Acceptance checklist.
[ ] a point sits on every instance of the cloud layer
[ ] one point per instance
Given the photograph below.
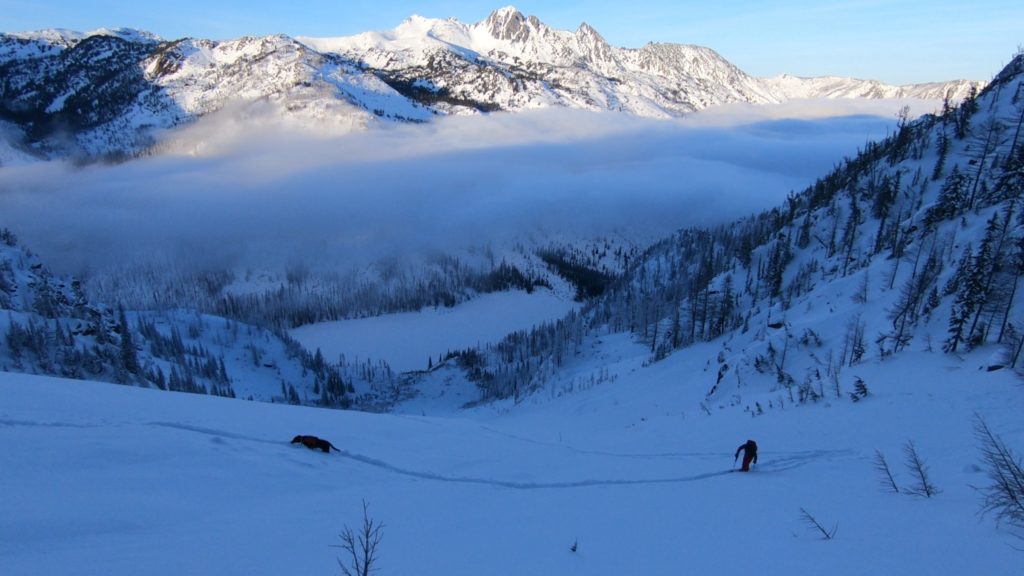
(265, 196)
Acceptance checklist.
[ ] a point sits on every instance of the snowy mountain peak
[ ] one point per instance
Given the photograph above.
(594, 49)
(508, 33)
(508, 24)
(68, 38)
(419, 25)
(129, 34)
(587, 31)
(505, 12)
(57, 36)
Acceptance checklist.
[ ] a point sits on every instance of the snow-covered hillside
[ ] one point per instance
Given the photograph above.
(119, 94)
(51, 327)
(634, 475)
(913, 244)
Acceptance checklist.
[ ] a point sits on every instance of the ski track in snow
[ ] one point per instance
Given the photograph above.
(786, 461)
(524, 485)
(29, 423)
(780, 462)
(789, 462)
(213, 432)
(783, 462)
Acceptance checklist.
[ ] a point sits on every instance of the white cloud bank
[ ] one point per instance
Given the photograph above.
(272, 196)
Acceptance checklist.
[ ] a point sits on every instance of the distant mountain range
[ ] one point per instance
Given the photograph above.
(110, 93)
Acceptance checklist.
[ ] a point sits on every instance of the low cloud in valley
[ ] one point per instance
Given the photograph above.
(258, 194)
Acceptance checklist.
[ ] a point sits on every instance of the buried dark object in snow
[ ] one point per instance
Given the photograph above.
(313, 443)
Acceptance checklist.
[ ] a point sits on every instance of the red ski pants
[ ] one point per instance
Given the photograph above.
(746, 462)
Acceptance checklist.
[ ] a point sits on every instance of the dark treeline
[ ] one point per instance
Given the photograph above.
(587, 275)
(305, 297)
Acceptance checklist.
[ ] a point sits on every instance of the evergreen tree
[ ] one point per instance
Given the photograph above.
(803, 239)
(940, 162)
(952, 198)
(129, 356)
(962, 115)
(972, 292)
(849, 235)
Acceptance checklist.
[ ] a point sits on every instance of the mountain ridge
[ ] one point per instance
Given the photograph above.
(116, 92)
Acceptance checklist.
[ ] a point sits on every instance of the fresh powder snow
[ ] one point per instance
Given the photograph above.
(635, 473)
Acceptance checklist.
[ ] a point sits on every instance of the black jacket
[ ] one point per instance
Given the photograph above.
(750, 449)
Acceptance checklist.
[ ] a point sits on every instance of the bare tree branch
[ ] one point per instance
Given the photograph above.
(361, 546)
(882, 466)
(1004, 495)
(813, 523)
(919, 470)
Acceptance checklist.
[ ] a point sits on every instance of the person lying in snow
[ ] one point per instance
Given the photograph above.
(314, 443)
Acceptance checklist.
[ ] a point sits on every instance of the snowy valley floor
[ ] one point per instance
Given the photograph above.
(101, 479)
(407, 340)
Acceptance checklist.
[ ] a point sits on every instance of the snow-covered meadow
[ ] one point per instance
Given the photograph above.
(412, 340)
(102, 479)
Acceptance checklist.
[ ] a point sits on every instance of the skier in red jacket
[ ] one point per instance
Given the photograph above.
(749, 450)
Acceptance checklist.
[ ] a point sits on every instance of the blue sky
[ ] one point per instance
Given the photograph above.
(897, 41)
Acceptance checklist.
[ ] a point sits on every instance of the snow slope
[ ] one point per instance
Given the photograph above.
(115, 480)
